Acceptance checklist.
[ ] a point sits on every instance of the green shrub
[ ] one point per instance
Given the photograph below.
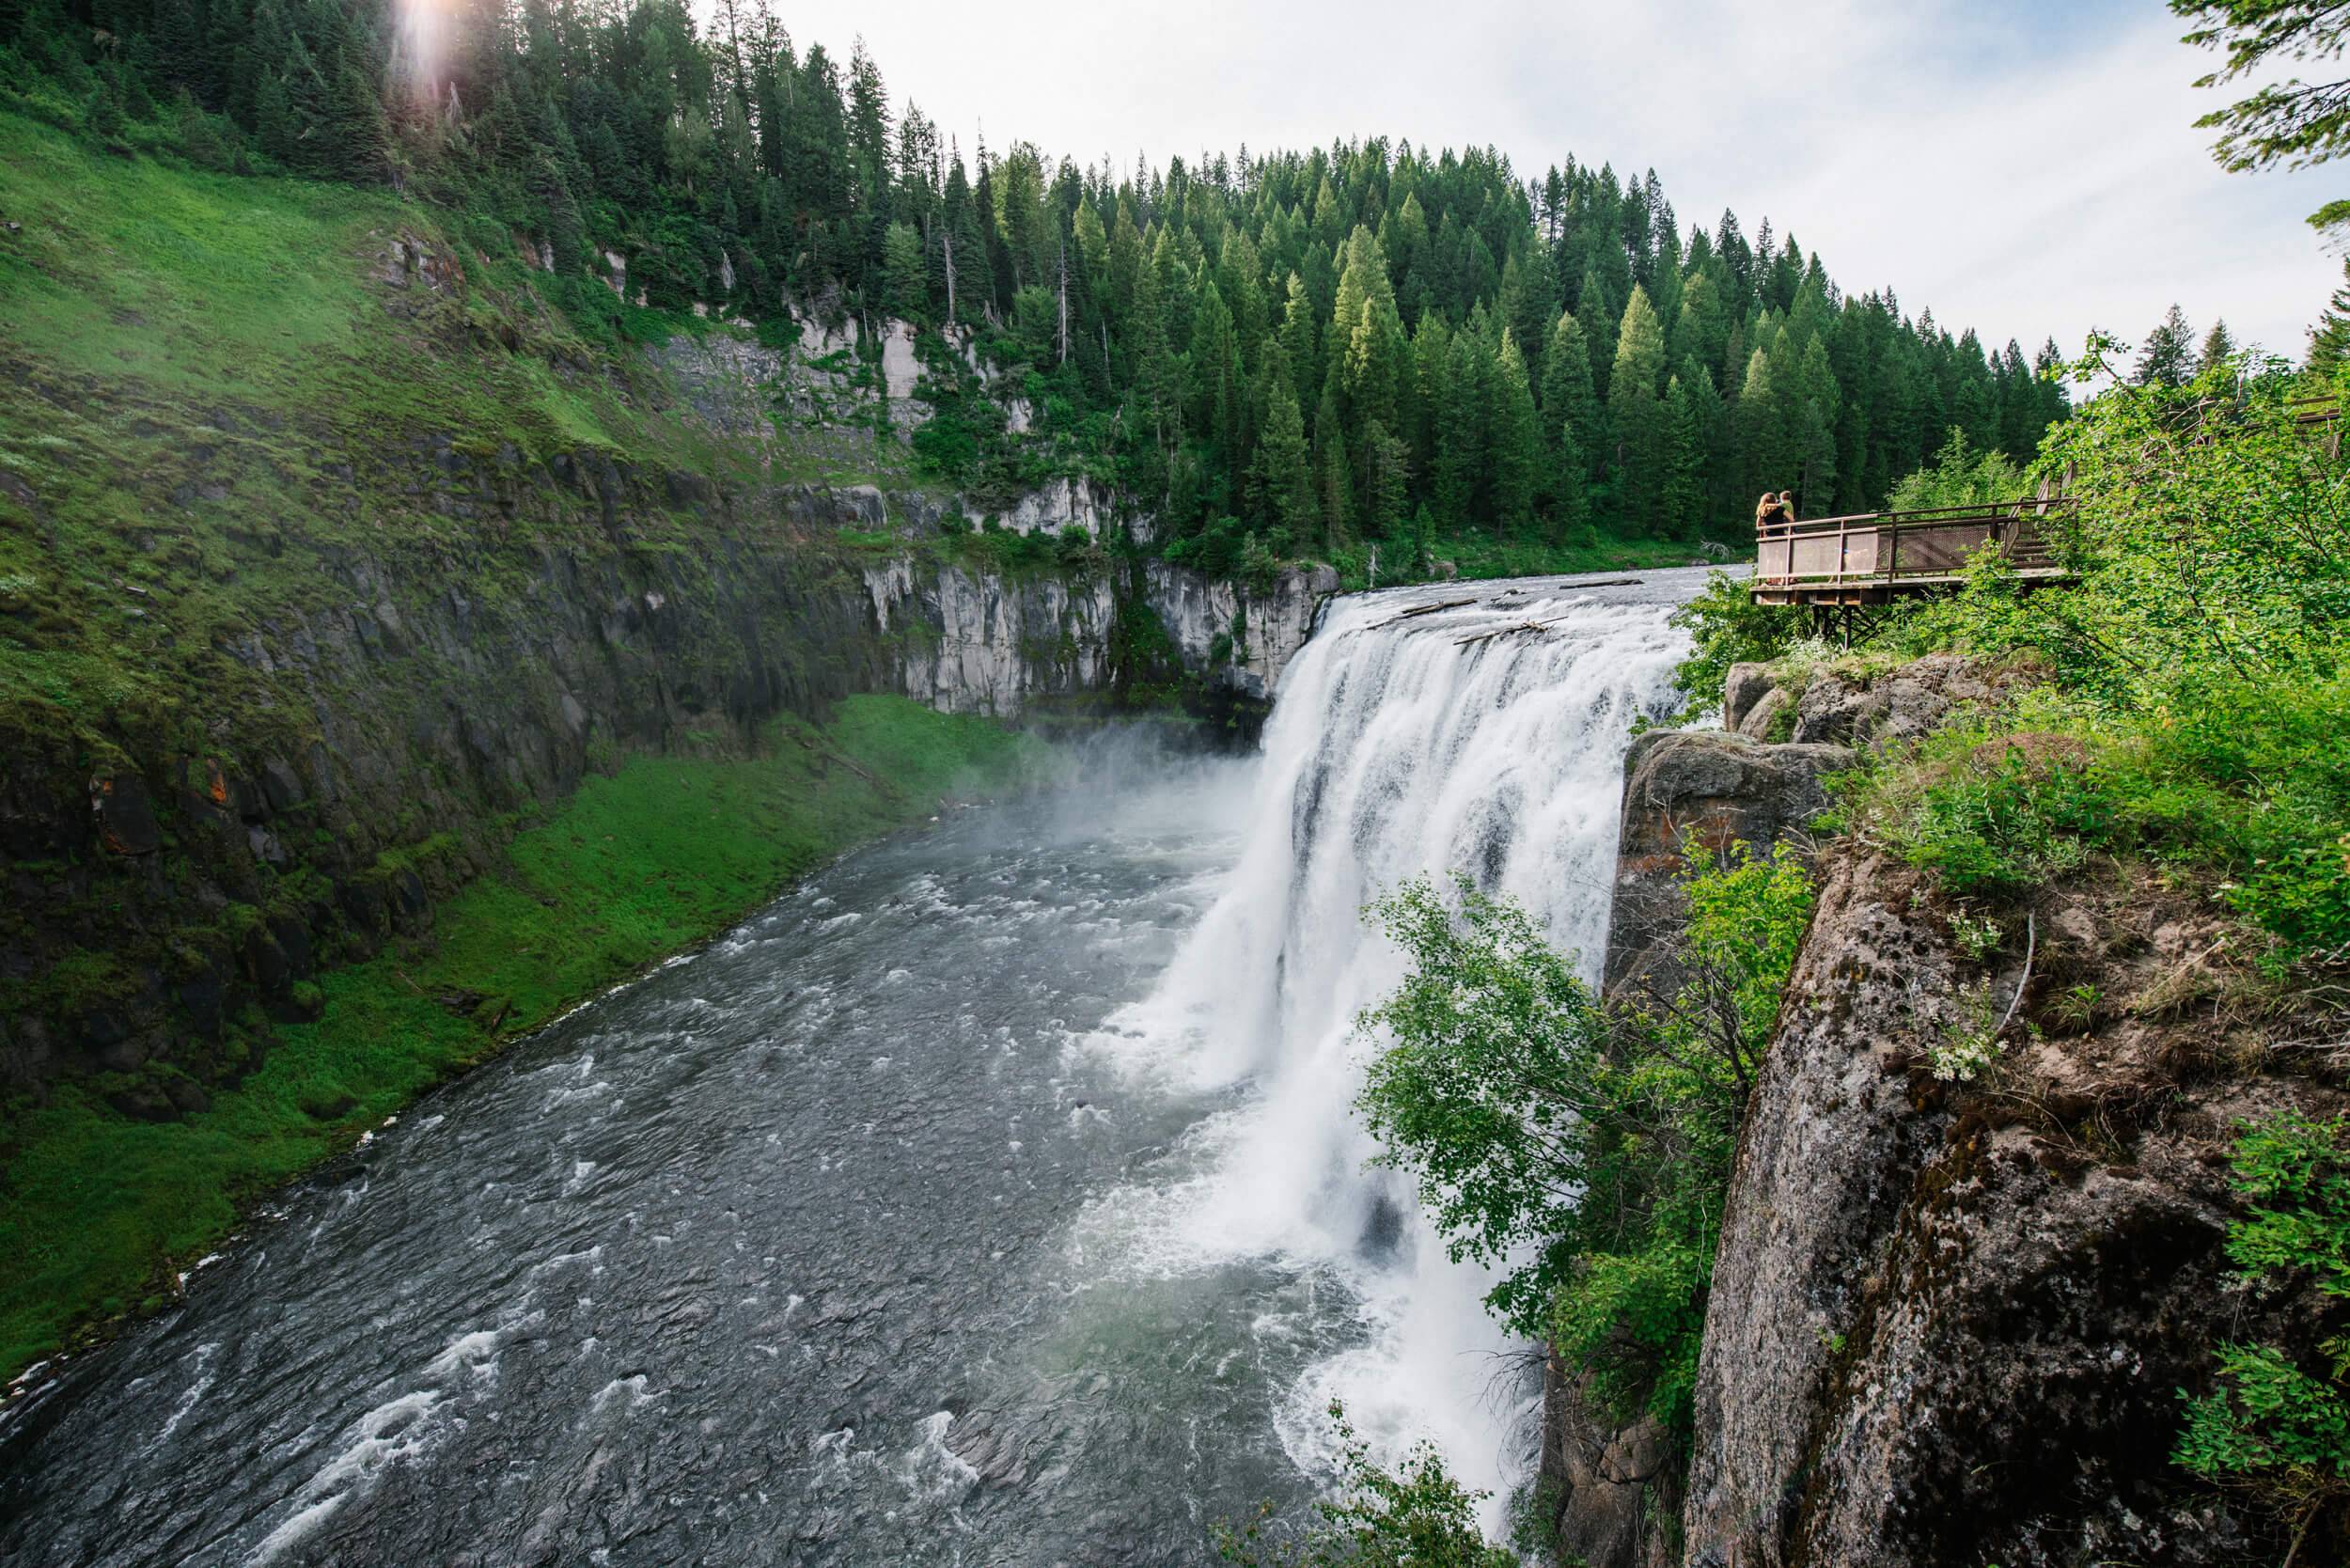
(2242, 782)
(1584, 1150)
(2276, 1429)
(1726, 627)
(1414, 1517)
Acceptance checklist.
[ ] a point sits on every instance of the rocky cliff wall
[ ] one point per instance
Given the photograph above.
(1948, 1319)
(368, 744)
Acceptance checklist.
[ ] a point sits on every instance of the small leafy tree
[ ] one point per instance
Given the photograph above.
(1490, 1085)
(1585, 1147)
(1414, 1517)
(1726, 627)
(2271, 1427)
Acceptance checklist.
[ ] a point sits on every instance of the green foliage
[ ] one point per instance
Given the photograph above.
(2243, 784)
(2288, 121)
(1414, 1517)
(2197, 690)
(1587, 1154)
(1960, 475)
(2270, 1426)
(2212, 535)
(1485, 1092)
(634, 865)
(2296, 1171)
(1726, 627)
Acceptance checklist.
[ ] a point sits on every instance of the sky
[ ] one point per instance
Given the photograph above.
(2030, 171)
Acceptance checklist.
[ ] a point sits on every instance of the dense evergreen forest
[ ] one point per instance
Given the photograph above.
(1276, 355)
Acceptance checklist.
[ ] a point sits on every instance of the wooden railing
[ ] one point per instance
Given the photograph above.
(1902, 548)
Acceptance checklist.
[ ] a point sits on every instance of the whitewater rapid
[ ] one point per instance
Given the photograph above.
(1472, 729)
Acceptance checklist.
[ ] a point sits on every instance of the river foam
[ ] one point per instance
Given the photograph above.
(1432, 732)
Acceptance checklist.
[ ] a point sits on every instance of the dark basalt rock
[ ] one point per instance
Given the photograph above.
(125, 815)
(1715, 788)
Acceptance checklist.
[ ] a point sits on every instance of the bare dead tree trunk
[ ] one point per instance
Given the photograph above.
(1064, 302)
(946, 236)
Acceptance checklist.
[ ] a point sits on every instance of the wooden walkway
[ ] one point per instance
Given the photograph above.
(1875, 557)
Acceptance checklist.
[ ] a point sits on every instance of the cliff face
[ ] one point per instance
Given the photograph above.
(1948, 1320)
(388, 723)
(303, 678)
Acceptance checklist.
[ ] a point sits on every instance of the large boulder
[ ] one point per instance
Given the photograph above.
(1716, 787)
(1898, 708)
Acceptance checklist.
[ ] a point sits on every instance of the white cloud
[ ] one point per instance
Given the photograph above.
(2025, 176)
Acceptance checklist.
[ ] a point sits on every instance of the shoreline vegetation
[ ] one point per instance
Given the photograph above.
(101, 1212)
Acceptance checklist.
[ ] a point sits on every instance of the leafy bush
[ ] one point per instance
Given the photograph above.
(2243, 783)
(1726, 627)
(1960, 475)
(2272, 1427)
(1416, 1516)
(1585, 1149)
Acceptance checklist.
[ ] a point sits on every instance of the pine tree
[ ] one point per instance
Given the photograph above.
(1282, 477)
(2218, 347)
(2329, 339)
(1298, 337)
(1514, 443)
(1815, 432)
(906, 277)
(1214, 364)
(1334, 478)
(1460, 421)
(2168, 356)
(1761, 417)
(1384, 478)
(1684, 505)
(1637, 428)
(1568, 402)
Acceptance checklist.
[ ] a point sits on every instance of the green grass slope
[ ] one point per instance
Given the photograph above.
(213, 391)
(96, 1210)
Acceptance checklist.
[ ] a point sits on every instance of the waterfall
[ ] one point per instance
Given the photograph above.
(1403, 741)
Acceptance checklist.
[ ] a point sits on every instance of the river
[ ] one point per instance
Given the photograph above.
(993, 1198)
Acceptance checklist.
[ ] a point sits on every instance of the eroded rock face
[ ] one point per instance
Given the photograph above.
(1946, 1327)
(1618, 1487)
(1061, 504)
(1264, 630)
(1898, 707)
(1716, 786)
(978, 644)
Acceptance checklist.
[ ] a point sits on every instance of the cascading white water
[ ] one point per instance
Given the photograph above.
(1401, 744)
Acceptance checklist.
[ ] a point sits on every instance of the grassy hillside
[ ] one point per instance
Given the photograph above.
(219, 395)
(97, 1208)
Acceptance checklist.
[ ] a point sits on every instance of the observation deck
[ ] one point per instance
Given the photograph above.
(1870, 559)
